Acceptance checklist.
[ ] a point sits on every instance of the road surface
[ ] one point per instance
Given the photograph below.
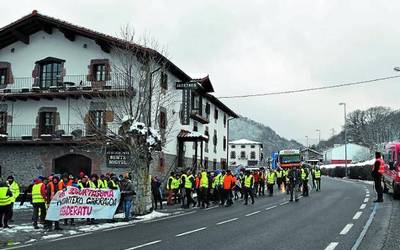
(334, 218)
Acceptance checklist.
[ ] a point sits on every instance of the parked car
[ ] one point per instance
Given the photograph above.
(391, 176)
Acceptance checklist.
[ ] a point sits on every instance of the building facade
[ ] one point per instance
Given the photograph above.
(244, 152)
(355, 153)
(62, 96)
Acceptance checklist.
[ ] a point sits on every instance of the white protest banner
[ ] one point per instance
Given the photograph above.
(83, 203)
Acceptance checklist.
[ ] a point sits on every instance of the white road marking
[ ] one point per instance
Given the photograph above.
(170, 217)
(363, 206)
(144, 245)
(366, 200)
(16, 247)
(223, 222)
(365, 229)
(269, 208)
(211, 208)
(357, 215)
(367, 195)
(284, 203)
(190, 232)
(69, 237)
(256, 212)
(346, 229)
(332, 246)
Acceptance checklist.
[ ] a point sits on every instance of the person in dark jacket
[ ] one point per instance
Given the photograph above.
(127, 194)
(155, 190)
(377, 175)
(294, 180)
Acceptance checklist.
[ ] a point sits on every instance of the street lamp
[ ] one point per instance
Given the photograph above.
(345, 136)
(319, 135)
(307, 140)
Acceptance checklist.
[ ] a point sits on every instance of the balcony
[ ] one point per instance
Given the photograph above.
(200, 115)
(23, 88)
(63, 133)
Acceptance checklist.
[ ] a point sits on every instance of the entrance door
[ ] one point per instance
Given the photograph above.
(73, 164)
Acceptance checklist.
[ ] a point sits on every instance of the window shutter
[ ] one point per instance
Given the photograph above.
(90, 75)
(108, 70)
(36, 74)
(109, 116)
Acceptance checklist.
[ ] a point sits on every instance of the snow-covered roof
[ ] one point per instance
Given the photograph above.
(244, 141)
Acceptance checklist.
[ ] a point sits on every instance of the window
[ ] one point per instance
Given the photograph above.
(208, 109)
(99, 72)
(97, 121)
(224, 143)
(164, 81)
(195, 126)
(216, 114)
(163, 120)
(252, 155)
(3, 122)
(225, 120)
(47, 123)
(205, 162)
(242, 154)
(206, 133)
(233, 146)
(3, 76)
(50, 74)
(233, 155)
(197, 104)
(215, 140)
(215, 164)
(252, 146)
(243, 146)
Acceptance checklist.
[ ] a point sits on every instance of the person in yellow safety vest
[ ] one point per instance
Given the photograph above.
(188, 183)
(175, 186)
(6, 197)
(279, 177)
(217, 186)
(39, 202)
(304, 178)
(113, 183)
(204, 182)
(103, 179)
(170, 188)
(95, 181)
(270, 181)
(248, 182)
(317, 176)
(14, 187)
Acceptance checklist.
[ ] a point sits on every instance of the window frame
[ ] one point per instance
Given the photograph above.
(252, 155)
(50, 77)
(242, 154)
(233, 155)
(3, 76)
(102, 72)
(97, 121)
(164, 81)
(47, 122)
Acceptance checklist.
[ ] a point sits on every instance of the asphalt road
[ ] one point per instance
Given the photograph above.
(331, 219)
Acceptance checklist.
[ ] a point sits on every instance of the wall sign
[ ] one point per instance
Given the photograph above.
(186, 106)
(117, 158)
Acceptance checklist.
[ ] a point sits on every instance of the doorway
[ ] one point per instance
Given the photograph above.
(73, 164)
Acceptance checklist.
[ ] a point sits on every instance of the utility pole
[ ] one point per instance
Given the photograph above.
(345, 136)
(319, 136)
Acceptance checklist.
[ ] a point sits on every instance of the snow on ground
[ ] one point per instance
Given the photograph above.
(26, 227)
(359, 164)
(31, 241)
(51, 236)
(151, 216)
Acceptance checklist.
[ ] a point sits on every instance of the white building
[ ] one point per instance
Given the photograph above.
(58, 87)
(355, 153)
(245, 153)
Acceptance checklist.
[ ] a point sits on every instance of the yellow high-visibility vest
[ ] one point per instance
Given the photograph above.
(37, 194)
(247, 181)
(4, 198)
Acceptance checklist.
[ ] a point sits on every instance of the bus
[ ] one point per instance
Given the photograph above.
(289, 158)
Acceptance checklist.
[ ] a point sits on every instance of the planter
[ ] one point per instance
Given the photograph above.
(3, 137)
(66, 137)
(46, 137)
(26, 137)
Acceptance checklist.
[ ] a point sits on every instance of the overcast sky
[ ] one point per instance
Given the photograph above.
(262, 47)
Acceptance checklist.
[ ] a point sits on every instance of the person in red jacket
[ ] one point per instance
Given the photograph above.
(377, 172)
(227, 188)
(256, 176)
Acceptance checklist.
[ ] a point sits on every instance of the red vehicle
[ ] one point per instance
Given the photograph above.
(391, 176)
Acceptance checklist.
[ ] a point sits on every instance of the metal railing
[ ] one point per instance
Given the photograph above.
(61, 131)
(68, 82)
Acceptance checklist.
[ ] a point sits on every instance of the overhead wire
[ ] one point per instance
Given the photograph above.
(311, 89)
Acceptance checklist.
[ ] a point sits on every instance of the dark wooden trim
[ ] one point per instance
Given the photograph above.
(68, 34)
(21, 36)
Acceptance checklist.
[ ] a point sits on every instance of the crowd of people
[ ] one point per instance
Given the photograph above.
(218, 187)
(223, 187)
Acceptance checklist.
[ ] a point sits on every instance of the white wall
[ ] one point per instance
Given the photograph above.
(247, 148)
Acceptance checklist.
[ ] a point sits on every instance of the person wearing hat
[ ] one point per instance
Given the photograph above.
(14, 187)
(5, 204)
(39, 202)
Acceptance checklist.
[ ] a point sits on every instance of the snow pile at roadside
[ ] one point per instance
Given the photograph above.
(51, 236)
(359, 164)
(25, 206)
(151, 216)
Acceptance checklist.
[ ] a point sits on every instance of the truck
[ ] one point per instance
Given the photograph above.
(391, 175)
(289, 158)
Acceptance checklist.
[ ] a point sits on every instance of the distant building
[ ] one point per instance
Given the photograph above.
(355, 153)
(311, 154)
(245, 153)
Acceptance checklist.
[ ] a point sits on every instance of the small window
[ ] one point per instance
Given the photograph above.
(163, 120)
(243, 146)
(224, 143)
(3, 122)
(215, 140)
(225, 120)
(216, 114)
(99, 72)
(242, 154)
(206, 133)
(208, 109)
(205, 162)
(233, 146)
(47, 123)
(252, 155)
(97, 120)
(164, 81)
(3, 76)
(233, 155)
(195, 126)
(252, 146)
(215, 164)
